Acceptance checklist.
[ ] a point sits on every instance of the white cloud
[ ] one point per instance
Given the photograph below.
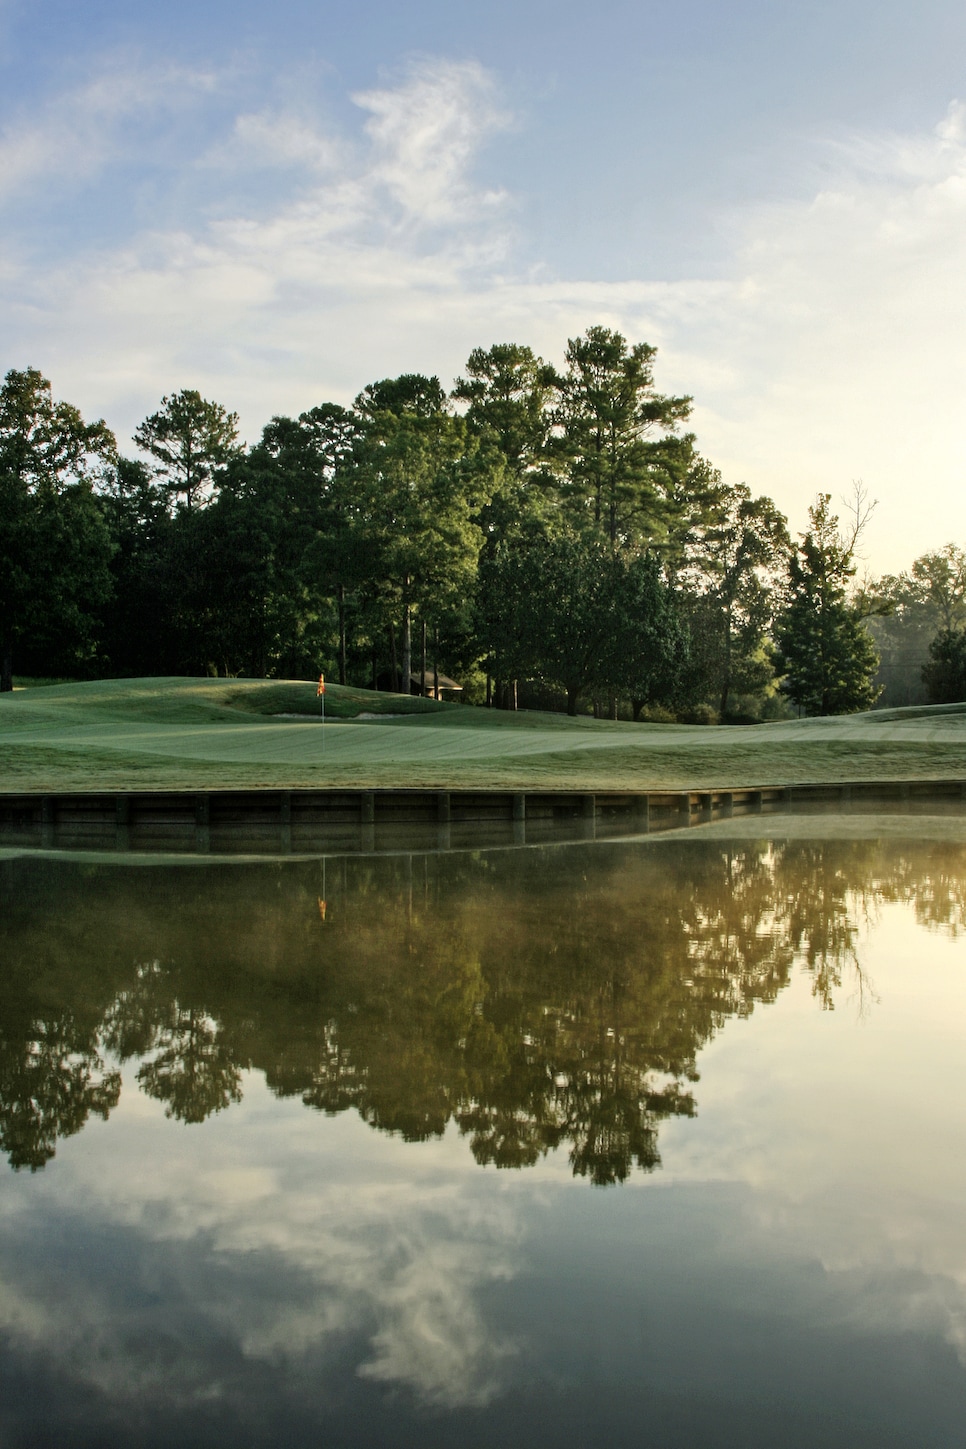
(432, 1335)
(342, 1240)
(278, 140)
(85, 129)
(426, 132)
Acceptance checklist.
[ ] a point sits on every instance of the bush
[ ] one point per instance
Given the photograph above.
(699, 714)
(945, 674)
(657, 714)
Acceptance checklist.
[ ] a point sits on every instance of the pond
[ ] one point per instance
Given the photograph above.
(657, 1142)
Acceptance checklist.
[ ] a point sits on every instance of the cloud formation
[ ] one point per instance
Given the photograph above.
(828, 347)
(81, 132)
(293, 1263)
(425, 134)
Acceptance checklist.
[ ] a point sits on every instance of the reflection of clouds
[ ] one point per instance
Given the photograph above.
(869, 1184)
(432, 1332)
(22, 1316)
(94, 1331)
(891, 1266)
(260, 1263)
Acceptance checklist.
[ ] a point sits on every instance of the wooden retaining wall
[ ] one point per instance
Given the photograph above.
(309, 821)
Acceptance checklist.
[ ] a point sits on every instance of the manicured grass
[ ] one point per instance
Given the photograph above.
(154, 734)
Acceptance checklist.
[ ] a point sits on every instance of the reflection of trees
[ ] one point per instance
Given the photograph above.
(52, 1070)
(528, 1036)
(51, 1079)
(937, 891)
(819, 912)
(189, 1065)
(539, 1001)
(192, 1070)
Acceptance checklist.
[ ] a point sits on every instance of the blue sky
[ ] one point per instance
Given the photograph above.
(279, 204)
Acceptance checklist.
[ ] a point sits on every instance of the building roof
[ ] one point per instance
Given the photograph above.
(443, 680)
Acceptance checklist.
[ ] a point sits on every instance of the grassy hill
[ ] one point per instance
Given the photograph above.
(154, 734)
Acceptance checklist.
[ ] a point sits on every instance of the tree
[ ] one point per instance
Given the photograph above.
(508, 392)
(190, 438)
(945, 674)
(616, 441)
(914, 609)
(54, 542)
(412, 393)
(52, 1078)
(335, 560)
(938, 583)
(565, 609)
(734, 563)
(420, 479)
(192, 1070)
(283, 529)
(828, 656)
(134, 622)
(651, 648)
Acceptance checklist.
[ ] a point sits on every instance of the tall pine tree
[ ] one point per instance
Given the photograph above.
(827, 654)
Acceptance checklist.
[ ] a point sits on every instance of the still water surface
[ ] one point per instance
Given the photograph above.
(650, 1144)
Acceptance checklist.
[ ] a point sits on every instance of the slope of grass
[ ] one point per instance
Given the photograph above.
(207, 733)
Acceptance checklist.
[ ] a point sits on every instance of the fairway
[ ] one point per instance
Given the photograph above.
(156, 734)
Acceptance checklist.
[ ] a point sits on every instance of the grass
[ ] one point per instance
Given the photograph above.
(168, 734)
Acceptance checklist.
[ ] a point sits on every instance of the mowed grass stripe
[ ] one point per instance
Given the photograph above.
(182, 733)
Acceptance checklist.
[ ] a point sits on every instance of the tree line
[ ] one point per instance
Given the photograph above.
(546, 535)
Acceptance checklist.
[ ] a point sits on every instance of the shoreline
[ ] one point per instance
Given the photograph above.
(294, 822)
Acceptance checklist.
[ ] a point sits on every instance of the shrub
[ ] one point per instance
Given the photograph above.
(945, 674)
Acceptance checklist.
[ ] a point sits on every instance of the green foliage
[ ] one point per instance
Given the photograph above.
(937, 585)
(828, 657)
(508, 392)
(912, 610)
(412, 393)
(736, 554)
(54, 542)
(615, 443)
(945, 674)
(552, 529)
(419, 479)
(189, 438)
(566, 610)
(419, 482)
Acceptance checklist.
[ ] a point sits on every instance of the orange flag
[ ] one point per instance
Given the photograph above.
(321, 688)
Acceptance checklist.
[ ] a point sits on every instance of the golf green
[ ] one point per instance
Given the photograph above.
(178, 733)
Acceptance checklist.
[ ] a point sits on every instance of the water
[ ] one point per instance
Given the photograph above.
(658, 1144)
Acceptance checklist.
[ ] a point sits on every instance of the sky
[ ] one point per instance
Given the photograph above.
(278, 204)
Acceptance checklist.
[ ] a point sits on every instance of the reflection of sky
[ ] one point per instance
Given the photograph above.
(798, 1267)
(281, 1230)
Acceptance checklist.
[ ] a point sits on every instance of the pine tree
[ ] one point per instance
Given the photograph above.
(54, 541)
(827, 653)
